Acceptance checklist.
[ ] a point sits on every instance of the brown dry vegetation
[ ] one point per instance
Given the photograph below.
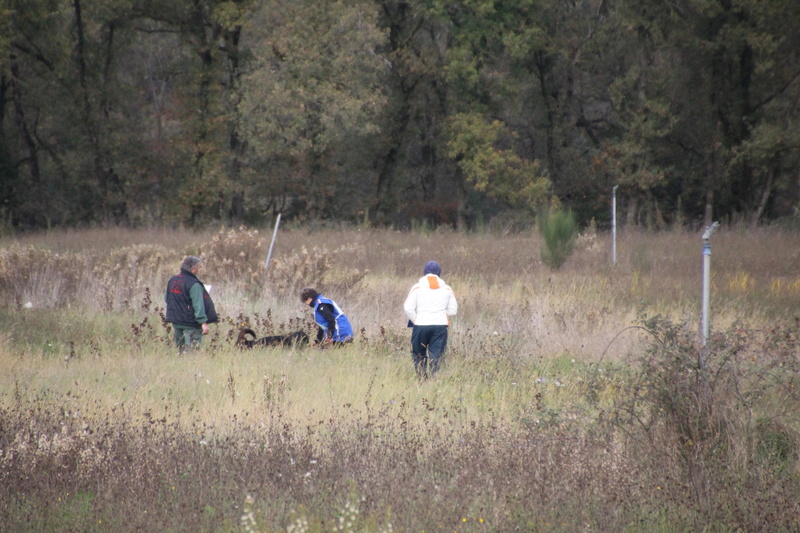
(570, 400)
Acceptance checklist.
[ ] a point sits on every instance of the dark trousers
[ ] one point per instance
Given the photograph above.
(427, 347)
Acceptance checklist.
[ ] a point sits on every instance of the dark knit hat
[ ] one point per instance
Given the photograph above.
(432, 267)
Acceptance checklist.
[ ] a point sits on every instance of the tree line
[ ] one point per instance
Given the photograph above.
(454, 112)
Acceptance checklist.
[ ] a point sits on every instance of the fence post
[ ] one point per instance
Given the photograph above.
(274, 235)
(707, 276)
(614, 224)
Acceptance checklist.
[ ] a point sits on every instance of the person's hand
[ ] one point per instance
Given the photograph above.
(205, 328)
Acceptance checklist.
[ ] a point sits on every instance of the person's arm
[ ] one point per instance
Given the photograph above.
(196, 294)
(410, 305)
(452, 304)
(326, 310)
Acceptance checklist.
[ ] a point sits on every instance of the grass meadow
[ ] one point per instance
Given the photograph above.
(580, 399)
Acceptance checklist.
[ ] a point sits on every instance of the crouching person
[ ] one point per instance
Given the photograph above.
(334, 327)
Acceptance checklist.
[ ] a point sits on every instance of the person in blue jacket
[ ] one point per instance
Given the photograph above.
(334, 327)
(189, 306)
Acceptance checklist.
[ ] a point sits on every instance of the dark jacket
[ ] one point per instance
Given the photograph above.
(179, 302)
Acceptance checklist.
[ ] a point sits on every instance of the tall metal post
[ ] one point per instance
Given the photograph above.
(614, 224)
(274, 235)
(707, 276)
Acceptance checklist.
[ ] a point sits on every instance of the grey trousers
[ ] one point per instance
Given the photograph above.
(187, 337)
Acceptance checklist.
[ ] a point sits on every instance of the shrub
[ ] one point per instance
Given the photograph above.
(293, 271)
(559, 231)
(49, 279)
(712, 417)
(236, 255)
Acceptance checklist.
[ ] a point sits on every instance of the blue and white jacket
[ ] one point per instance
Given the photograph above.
(343, 331)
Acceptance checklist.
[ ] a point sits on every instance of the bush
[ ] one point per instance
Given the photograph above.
(559, 231)
(46, 278)
(713, 419)
(236, 255)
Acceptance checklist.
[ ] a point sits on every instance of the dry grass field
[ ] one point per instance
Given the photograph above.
(571, 399)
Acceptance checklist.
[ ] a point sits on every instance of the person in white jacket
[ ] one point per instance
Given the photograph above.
(429, 306)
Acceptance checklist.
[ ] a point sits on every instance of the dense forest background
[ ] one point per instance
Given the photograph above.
(455, 112)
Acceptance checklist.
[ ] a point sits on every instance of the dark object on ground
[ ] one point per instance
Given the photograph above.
(293, 339)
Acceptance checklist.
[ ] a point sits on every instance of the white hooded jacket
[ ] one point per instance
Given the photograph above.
(430, 302)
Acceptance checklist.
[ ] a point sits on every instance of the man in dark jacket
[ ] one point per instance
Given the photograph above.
(189, 306)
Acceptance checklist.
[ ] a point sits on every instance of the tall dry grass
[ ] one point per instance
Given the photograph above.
(567, 401)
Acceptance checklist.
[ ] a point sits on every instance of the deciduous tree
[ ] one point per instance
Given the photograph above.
(317, 84)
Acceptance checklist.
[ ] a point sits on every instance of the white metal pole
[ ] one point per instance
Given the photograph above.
(706, 285)
(614, 224)
(274, 235)
(707, 277)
